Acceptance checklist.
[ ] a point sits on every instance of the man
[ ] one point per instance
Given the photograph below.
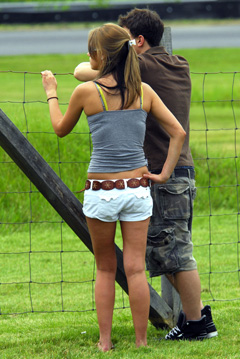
(169, 248)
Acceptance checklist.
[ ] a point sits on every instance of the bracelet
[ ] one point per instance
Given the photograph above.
(51, 98)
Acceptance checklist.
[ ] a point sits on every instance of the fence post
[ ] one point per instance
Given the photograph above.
(167, 39)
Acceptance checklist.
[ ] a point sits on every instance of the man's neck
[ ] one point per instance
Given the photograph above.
(144, 48)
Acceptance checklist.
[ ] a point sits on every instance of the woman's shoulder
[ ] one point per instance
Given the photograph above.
(149, 95)
(147, 90)
(146, 87)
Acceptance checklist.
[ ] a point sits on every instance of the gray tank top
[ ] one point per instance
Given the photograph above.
(117, 138)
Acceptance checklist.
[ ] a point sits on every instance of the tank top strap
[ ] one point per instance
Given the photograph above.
(102, 97)
(104, 102)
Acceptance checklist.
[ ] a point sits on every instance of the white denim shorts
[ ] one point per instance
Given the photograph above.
(129, 204)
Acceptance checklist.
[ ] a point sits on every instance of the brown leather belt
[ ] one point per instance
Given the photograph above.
(119, 184)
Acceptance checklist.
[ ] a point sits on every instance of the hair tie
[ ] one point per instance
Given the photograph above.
(132, 42)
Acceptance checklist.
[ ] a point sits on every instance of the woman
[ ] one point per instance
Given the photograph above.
(116, 106)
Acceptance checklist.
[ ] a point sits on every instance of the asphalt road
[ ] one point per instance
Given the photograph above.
(66, 41)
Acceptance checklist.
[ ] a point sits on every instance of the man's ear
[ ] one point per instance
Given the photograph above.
(140, 41)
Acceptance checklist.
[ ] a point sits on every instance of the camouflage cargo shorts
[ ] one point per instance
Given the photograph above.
(169, 243)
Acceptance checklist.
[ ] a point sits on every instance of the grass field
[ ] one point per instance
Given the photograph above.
(45, 267)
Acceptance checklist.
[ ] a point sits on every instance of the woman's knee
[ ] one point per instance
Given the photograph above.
(132, 269)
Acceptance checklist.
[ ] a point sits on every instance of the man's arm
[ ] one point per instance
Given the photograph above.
(84, 72)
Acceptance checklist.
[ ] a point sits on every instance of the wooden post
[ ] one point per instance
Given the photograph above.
(167, 39)
(171, 297)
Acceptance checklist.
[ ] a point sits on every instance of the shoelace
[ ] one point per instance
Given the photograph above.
(173, 332)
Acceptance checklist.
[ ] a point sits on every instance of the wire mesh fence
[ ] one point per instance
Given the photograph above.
(44, 265)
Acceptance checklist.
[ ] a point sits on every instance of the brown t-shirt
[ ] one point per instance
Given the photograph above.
(169, 76)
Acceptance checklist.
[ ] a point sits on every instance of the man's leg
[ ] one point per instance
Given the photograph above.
(170, 251)
(181, 281)
(187, 284)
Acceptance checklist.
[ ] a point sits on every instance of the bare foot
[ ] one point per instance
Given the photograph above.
(104, 348)
(141, 344)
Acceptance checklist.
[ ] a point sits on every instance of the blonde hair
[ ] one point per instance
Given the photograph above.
(110, 43)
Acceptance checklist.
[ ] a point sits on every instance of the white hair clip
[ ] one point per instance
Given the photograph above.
(132, 42)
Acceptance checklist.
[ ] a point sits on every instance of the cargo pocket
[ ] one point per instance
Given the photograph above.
(161, 252)
(176, 201)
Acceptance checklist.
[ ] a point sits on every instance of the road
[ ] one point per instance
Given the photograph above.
(66, 41)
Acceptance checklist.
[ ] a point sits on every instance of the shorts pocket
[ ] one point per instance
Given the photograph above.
(176, 201)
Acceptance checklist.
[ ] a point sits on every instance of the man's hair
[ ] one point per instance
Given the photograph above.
(143, 22)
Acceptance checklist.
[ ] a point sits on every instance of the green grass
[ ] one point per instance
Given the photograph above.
(69, 335)
(74, 334)
(41, 256)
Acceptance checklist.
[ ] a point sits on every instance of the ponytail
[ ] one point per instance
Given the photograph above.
(110, 43)
(132, 75)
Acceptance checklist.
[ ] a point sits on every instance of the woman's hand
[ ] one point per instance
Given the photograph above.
(49, 83)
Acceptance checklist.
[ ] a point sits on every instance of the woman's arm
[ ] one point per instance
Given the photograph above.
(83, 72)
(62, 124)
(174, 129)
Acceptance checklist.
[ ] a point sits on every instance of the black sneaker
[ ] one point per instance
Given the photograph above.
(210, 326)
(188, 330)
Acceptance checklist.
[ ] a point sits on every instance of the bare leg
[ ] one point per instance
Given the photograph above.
(134, 247)
(188, 285)
(102, 236)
